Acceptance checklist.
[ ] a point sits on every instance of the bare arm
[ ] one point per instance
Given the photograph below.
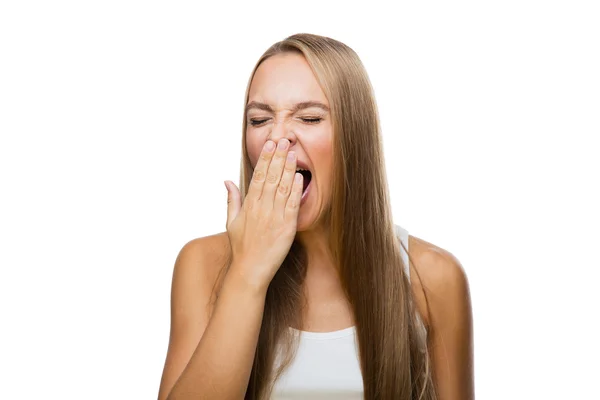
(260, 234)
(221, 364)
(193, 279)
(451, 328)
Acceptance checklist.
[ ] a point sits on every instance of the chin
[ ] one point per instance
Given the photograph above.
(304, 223)
(308, 218)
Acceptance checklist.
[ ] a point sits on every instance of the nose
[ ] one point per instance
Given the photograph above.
(281, 131)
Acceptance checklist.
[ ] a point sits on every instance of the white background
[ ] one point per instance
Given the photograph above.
(119, 121)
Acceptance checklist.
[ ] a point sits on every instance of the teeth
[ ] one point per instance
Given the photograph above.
(301, 169)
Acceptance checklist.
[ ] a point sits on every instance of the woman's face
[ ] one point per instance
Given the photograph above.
(281, 82)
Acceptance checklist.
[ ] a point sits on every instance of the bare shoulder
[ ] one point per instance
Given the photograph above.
(449, 317)
(212, 246)
(438, 280)
(204, 255)
(196, 269)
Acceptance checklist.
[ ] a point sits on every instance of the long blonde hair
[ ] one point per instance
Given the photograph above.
(394, 362)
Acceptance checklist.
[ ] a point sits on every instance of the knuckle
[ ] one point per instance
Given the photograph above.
(284, 189)
(290, 167)
(272, 178)
(259, 176)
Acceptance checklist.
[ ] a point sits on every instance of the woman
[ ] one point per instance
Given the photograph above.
(309, 292)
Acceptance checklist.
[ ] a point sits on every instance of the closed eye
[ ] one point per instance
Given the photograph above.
(312, 120)
(256, 122)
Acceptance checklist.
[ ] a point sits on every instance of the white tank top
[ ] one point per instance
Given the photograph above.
(326, 366)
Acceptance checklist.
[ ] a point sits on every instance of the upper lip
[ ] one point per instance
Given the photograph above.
(302, 164)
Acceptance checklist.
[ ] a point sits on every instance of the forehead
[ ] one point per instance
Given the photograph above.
(283, 80)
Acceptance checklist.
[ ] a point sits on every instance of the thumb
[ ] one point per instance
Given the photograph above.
(233, 202)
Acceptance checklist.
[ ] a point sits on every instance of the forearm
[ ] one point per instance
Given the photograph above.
(221, 364)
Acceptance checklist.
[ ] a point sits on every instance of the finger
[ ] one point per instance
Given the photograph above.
(260, 172)
(292, 206)
(285, 185)
(274, 172)
(233, 202)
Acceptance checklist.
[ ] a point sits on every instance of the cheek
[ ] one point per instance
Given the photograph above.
(253, 148)
(323, 154)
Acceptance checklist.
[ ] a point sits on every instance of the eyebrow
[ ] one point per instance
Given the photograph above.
(296, 107)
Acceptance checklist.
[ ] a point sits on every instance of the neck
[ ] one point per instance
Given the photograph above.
(316, 243)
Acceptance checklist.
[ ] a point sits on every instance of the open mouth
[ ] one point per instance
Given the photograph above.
(307, 175)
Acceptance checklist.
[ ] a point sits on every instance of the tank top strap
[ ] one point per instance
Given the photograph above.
(402, 234)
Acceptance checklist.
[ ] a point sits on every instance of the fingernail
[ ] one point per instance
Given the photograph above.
(269, 145)
(226, 186)
(283, 144)
(291, 156)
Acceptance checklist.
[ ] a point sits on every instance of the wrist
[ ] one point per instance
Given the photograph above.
(239, 277)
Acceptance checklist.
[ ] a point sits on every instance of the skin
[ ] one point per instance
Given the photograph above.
(281, 82)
